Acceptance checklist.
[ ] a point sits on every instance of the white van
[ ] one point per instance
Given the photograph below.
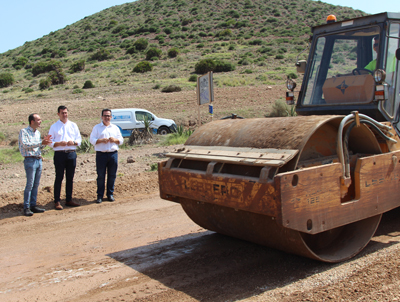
(133, 118)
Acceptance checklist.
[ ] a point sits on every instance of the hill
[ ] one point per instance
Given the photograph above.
(253, 42)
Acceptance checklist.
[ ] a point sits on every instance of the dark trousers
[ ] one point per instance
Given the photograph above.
(106, 161)
(64, 162)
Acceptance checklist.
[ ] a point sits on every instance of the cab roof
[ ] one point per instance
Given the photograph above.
(356, 22)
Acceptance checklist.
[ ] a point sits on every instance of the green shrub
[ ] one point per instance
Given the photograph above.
(28, 90)
(6, 79)
(168, 30)
(222, 66)
(141, 44)
(279, 57)
(193, 78)
(88, 84)
(204, 66)
(143, 67)
(20, 62)
(44, 84)
(225, 33)
(171, 88)
(77, 66)
(292, 75)
(101, 55)
(281, 109)
(56, 77)
(85, 146)
(173, 52)
(43, 67)
(153, 52)
(176, 138)
(76, 91)
(256, 42)
(131, 50)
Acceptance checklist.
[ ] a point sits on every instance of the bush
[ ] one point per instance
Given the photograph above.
(173, 52)
(171, 88)
(44, 84)
(101, 55)
(222, 66)
(279, 57)
(56, 77)
(141, 44)
(225, 33)
(256, 42)
(143, 67)
(292, 75)
(153, 52)
(204, 66)
(85, 146)
(6, 79)
(88, 84)
(168, 30)
(193, 78)
(281, 109)
(76, 91)
(28, 90)
(207, 65)
(77, 66)
(20, 62)
(43, 67)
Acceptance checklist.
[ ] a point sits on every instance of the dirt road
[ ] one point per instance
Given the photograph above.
(146, 249)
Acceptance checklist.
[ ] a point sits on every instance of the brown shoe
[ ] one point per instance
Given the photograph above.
(72, 204)
(58, 206)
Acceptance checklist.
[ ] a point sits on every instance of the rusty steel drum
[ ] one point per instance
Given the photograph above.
(313, 138)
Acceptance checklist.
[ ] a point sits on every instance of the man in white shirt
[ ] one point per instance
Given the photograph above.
(65, 138)
(105, 138)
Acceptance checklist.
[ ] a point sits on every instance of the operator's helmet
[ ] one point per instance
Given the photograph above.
(331, 19)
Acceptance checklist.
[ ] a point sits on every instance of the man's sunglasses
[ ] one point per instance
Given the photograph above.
(376, 44)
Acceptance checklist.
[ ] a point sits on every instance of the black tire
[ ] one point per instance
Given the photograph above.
(163, 130)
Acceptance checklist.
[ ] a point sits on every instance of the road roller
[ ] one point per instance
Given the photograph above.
(315, 184)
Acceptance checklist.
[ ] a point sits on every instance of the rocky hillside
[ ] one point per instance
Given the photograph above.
(151, 44)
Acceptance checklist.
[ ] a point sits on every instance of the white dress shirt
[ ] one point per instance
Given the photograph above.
(102, 131)
(64, 132)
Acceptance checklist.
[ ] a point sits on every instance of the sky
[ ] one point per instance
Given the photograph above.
(28, 20)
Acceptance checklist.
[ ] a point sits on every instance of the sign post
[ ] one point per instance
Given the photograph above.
(205, 92)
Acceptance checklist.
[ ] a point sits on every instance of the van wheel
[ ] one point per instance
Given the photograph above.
(163, 131)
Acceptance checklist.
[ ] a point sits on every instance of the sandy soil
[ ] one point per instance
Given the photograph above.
(143, 248)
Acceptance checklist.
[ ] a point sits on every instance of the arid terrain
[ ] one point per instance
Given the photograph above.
(143, 248)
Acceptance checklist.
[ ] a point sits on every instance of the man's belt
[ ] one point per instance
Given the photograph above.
(65, 151)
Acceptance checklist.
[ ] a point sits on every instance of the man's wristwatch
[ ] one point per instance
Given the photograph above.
(75, 143)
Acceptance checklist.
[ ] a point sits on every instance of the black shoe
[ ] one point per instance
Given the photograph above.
(99, 200)
(111, 198)
(35, 209)
(28, 212)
